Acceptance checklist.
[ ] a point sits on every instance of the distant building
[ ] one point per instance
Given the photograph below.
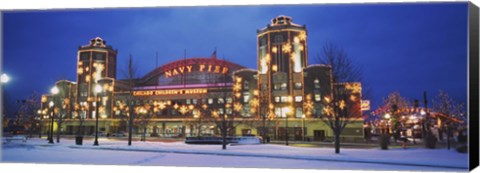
(187, 97)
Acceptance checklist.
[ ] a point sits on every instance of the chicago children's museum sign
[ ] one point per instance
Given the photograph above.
(169, 92)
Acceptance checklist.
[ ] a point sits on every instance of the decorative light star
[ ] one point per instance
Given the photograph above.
(302, 36)
(183, 109)
(237, 106)
(286, 48)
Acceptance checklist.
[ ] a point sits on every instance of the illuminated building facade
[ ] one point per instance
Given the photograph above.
(187, 97)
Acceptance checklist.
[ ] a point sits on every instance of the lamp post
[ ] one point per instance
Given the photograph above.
(387, 117)
(97, 90)
(414, 120)
(288, 111)
(303, 127)
(286, 124)
(3, 79)
(54, 91)
(39, 115)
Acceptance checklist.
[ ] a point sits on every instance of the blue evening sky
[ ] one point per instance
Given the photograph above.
(408, 48)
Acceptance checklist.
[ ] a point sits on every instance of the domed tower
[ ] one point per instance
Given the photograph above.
(96, 63)
(282, 55)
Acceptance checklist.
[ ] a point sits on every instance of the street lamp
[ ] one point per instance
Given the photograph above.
(414, 121)
(4, 78)
(97, 90)
(54, 91)
(387, 117)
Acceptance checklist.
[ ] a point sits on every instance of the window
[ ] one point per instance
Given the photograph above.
(229, 111)
(210, 101)
(220, 111)
(278, 112)
(298, 98)
(281, 112)
(284, 99)
(277, 99)
(229, 100)
(188, 101)
(316, 84)
(194, 101)
(246, 97)
(246, 85)
(263, 86)
(84, 56)
(220, 101)
(318, 97)
(298, 112)
(278, 38)
(283, 86)
(263, 41)
(276, 86)
(298, 85)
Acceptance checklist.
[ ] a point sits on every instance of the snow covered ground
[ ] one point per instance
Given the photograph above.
(111, 152)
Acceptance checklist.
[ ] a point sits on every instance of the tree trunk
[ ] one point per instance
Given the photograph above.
(144, 133)
(59, 128)
(130, 124)
(224, 137)
(337, 141)
(448, 137)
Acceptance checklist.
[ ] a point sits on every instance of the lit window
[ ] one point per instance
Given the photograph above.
(194, 101)
(298, 85)
(316, 83)
(281, 112)
(277, 99)
(246, 97)
(229, 100)
(229, 111)
(318, 97)
(284, 99)
(298, 112)
(220, 111)
(210, 101)
(220, 101)
(188, 101)
(278, 112)
(283, 86)
(276, 86)
(298, 98)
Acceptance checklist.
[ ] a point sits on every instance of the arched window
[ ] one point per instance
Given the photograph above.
(316, 83)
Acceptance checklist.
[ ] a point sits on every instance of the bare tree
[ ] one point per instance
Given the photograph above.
(79, 111)
(27, 115)
(338, 109)
(130, 75)
(144, 117)
(449, 112)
